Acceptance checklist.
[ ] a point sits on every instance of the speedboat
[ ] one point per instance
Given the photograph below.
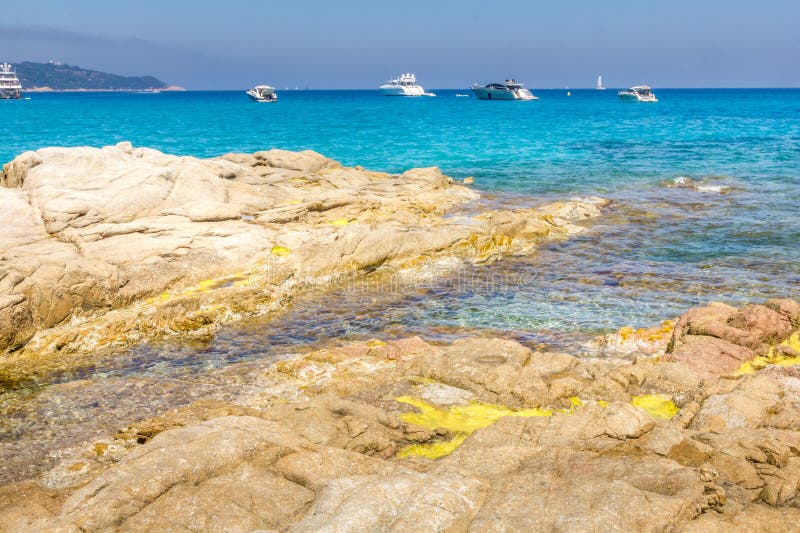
(403, 85)
(262, 93)
(640, 93)
(10, 87)
(510, 90)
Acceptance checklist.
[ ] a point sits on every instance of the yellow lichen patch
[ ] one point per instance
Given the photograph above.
(626, 333)
(375, 343)
(205, 286)
(78, 466)
(656, 405)
(280, 251)
(340, 222)
(654, 334)
(773, 357)
(100, 448)
(462, 420)
(602, 403)
(663, 332)
(293, 202)
(433, 450)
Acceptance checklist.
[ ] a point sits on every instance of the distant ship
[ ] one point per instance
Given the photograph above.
(262, 93)
(10, 87)
(510, 90)
(403, 85)
(600, 84)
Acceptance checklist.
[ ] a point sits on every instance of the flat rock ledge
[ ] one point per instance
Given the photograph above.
(111, 246)
(480, 435)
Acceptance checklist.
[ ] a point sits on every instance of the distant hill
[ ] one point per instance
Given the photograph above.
(61, 77)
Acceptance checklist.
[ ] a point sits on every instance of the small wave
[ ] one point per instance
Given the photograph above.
(708, 184)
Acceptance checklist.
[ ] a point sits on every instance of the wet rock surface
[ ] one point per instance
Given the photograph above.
(107, 247)
(482, 434)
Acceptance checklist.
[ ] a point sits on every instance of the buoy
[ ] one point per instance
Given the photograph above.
(569, 93)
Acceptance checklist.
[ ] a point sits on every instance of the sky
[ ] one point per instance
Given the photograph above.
(338, 44)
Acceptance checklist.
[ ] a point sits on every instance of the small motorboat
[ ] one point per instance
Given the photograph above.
(510, 90)
(262, 93)
(640, 93)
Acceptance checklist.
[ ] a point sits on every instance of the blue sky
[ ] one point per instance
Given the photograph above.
(230, 44)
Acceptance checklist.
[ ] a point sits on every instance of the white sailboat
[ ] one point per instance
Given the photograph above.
(600, 84)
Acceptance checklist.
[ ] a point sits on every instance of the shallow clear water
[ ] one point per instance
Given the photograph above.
(662, 247)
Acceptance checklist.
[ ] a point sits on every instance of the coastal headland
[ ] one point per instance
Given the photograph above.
(692, 425)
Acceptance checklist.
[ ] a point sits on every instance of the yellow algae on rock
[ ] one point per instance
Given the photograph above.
(773, 357)
(340, 222)
(205, 285)
(280, 251)
(656, 405)
(433, 450)
(462, 420)
(626, 333)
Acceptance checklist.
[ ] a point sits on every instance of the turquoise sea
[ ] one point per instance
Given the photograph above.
(664, 246)
(704, 184)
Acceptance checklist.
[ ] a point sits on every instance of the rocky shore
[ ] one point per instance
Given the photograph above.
(111, 246)
(692, 425)
(483, 434)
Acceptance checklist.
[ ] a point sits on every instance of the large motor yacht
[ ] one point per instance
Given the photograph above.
(403, 85)
(510, 90)
(640, 93)
(262, 93)
(10, 87)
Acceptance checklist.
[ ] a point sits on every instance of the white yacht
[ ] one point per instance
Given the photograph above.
(640, 93)
(262, 93)
(599, 86)
(510, 90)
(10, 87)
(403, 85)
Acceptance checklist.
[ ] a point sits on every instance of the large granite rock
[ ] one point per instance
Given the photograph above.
(109, 246)
(718, 338)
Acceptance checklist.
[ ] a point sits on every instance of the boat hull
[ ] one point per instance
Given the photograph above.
(485, 93)
(627, 97)
(10, 94)
(402, 90)
(257, 99)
